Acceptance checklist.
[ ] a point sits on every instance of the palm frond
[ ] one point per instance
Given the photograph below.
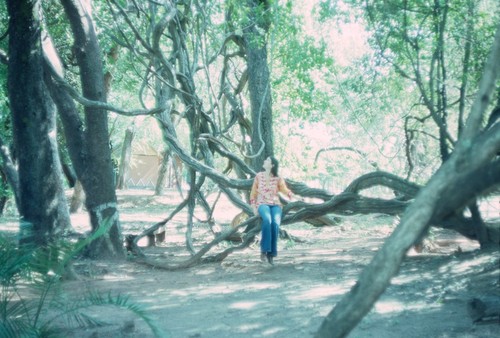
(14, 261)
(16, 327)
(43, 268)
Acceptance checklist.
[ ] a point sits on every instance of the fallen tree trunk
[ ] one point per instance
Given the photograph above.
(350, 202)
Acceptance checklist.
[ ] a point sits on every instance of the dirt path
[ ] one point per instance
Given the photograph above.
(242, 297)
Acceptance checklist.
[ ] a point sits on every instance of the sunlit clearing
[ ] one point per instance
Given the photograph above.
(205, 272)
(118, 278)
(244, 305)
(385, 307)
(227, 289)
(180, 293)
(261, 286)
(320, 292)
(248, 327)
(217, 290)
(272, 332)
(410, 278)
(464, 266)
(388, 307)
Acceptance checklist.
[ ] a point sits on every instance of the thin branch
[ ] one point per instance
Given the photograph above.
(362, 154)
(62, 84)
(486, 87)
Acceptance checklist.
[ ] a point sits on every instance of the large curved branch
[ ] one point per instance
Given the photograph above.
(63, 85)
(360, 153)
(221, 149)
(306, 191)
(380, 178)
(213, 174)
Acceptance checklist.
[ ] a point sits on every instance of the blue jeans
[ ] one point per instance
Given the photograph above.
(271, 220)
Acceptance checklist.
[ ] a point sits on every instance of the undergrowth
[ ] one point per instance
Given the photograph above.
(32, 303)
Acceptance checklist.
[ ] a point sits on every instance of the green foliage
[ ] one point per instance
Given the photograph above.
(409, 35)
(298, 60)
(321, 103)
(262, 14)
(32, 303)
(4, 22)
(5, 124)
(415, 67)
(362, 104)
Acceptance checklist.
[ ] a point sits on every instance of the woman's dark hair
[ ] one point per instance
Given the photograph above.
(276, 165)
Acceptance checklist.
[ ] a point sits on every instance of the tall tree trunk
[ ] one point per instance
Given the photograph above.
(69, 174)
(123, 170)
(73, 129)
(259, 85)
(162, 173)
(164, 95)
(78, 198)
(43, 207)
(97, 174)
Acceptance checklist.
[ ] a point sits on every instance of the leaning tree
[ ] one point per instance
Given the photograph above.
(473, 169)
(439, 50)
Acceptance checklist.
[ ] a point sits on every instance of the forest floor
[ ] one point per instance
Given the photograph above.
(243, 297)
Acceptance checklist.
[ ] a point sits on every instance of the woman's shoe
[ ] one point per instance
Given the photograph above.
(270, 258)
(263, 256)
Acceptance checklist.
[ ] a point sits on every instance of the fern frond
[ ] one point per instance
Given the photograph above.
(16, 327)
(14, 261)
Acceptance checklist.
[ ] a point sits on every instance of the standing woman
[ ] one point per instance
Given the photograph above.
(265, 202)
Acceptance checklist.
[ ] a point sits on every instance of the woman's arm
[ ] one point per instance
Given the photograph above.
(282, 188)
(253, 194)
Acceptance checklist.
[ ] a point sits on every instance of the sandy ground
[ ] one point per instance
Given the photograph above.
(243, 297)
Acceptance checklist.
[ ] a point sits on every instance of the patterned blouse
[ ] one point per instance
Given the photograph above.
(265, 191)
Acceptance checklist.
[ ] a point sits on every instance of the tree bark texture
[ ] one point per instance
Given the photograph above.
(125, 160)
(162, 173)
(96, 174)
(78, 198)
(259, 85)
(43, 206)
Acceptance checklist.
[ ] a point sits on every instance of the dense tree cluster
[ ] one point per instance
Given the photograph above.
(228, 83)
